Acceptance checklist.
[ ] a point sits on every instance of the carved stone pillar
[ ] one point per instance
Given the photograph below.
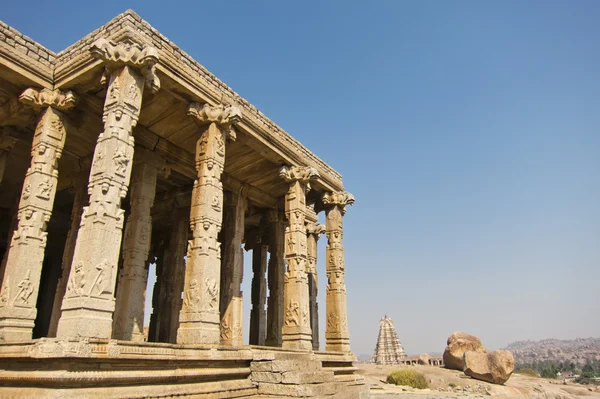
(337, 338)
(199, 319)
(313, 231)
(276, 273)
(89, 302)
(258, 314)
(79, 201)
(232, 269)
(296, 321)
(128, 320)
(23, 268)
(7, 142)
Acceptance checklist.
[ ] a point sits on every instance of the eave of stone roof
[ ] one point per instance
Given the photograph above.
(25, 56)
(177, 64)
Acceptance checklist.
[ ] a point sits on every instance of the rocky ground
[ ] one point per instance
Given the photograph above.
(451, 384)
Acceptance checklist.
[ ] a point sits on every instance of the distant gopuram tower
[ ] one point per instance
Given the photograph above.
(389, 350)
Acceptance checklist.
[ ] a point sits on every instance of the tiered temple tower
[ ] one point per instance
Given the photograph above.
(389, 350)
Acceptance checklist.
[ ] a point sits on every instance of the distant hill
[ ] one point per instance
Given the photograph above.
(577, 350)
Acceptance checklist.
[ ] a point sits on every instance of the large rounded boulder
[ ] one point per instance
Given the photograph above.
(459, 343)
(495, 367)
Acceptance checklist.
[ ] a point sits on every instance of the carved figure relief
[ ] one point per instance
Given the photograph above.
(212, 291)
(114, 90)
(237, 331)
(333, 322)
(76, 282)
(292, 314)
(98, 158)
(305, 313)
(102, 279)
(25, 290)
(57, 126)
(291, 241)
(26, 191)
(220, 144)
(132, 94)
(202, 144)
(44, 189)
(192, 295)
(225, 329)
(121, 162)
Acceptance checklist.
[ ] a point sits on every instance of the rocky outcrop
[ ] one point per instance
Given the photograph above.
(578, 351)
(459, 343)
(424, 359)
(495, 367)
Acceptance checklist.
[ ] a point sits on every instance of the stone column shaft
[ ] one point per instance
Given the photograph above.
(23, 269)
(336, 334)
(258, 314)
(313, 230)
(128, 324)
(276, 274)
(79, 201)
(89, 302)
(173, 275)
(199, 319)
(232, 269)
(296, 322)
(7, 143)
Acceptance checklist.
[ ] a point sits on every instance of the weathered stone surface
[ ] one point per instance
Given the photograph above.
(424, 359)
(495, 367)
(459, 343)
(99, 305)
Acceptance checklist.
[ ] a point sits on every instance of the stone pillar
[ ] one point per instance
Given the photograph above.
(296, 321)
(174, 268)
(89, 302)
(337, 338)
(276, 273)
(313, 231)
(25, 257)
(7, 142)
(128, 320)
(79, 201)
(199, 319)
(232, 269)
(258, 314)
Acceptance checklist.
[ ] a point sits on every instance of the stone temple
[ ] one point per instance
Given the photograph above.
(122, 150)
(389, 350)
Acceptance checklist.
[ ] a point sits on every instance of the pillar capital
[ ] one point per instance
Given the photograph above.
(338, 198)
(224, 116)
(57, 99)
(315, 229)
(303, 174)
(128, 53)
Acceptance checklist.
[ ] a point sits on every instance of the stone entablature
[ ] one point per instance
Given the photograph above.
(120, 152)
(178, 65)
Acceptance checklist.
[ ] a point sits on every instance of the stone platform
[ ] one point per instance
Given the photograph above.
(51, 368)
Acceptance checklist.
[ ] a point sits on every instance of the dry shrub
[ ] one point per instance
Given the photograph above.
(411, 378)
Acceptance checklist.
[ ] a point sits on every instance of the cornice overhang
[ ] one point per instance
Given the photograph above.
(201, 85)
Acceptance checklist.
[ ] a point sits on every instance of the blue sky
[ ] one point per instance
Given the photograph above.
(468, 131)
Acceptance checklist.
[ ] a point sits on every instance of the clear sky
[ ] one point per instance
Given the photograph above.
(469, 132)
